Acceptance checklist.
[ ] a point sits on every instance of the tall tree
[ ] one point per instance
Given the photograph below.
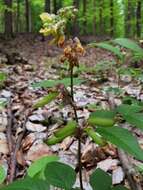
(128, 18)
(84, 15)
(18, 16)
(48, 6)
(138, 18)
(76, 3)
(55, 6)
(94, 17)
(8, 19)
(28, 15)
(101, 22)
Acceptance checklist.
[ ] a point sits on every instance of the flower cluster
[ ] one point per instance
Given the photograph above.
(72, 51)
(55, 25)
(68, 12)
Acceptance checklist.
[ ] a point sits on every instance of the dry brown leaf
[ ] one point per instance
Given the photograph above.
(37, 151)
(20, 158)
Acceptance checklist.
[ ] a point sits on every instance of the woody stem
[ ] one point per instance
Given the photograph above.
(71, 77)
(79, 133)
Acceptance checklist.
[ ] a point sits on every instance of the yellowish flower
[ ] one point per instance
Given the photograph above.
(45, 31)
(46, 17)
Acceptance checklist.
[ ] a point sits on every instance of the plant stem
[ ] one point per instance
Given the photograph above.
(79, 133)
(71, 76)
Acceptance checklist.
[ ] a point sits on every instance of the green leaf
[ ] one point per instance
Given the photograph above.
(2, 104)
(103, 118)
(40, 164)
(2, 174)
(115, 50)
(46, 99)
(125, 109)
(27, 184)
(51, 83)
(135, 119)
(130, 100)
(2, 77)
(60, 175)
(129, 44)
(100, 180)
(123, 139)
(119, 187)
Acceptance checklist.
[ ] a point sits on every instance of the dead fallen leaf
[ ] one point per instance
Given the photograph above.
(37, 151)
(3, 144)
(35, 127)
(117, 175)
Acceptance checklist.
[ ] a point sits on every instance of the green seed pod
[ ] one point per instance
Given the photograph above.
(95, 136)
(66, 131)
(102, 118)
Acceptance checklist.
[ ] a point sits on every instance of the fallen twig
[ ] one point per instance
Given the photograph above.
(134, 177)
(15, 149)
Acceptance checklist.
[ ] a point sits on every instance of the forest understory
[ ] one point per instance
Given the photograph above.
(28, 60)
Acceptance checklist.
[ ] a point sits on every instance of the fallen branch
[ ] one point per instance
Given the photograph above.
(134, 178)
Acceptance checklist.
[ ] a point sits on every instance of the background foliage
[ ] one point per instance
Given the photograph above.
(112, 18)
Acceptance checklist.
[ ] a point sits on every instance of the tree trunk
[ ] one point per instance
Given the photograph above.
(112, 18)
(128, 19)
(18, 16)
(101, 17)
(138, 18)
(84, 15)
(28, 15)
(8, 19)
(76, 3)
(75, 25)
(60, 4)
(48, 6)
(94, 17)
(55, 6)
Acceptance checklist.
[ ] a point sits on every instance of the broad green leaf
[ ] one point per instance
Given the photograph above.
(103, 118)
(27, 184)
(123, 139)
(115, 50)
(51, 83)
(40, 164)
(60, 175)
(125, 109)
(129, 44)
(130, 100)
(100, 180)
(135, 119)
(46, 99)
(2, 174)
(119, 187)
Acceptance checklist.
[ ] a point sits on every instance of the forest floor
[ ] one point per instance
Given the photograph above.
(33, 60)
